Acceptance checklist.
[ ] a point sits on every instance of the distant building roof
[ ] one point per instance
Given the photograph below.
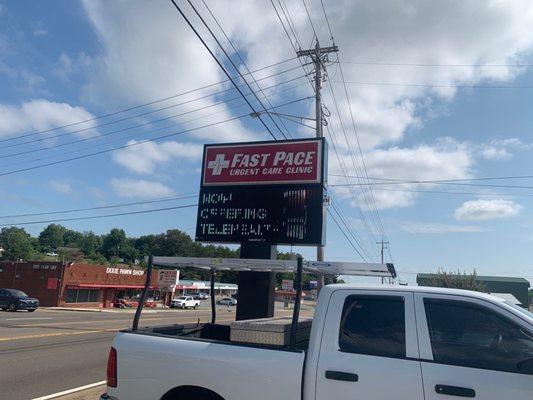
(480, 278)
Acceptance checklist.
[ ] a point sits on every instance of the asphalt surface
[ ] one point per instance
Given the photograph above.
(49, 351)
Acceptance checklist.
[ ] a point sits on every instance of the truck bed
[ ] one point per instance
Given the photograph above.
(202, 355)
(214, 333)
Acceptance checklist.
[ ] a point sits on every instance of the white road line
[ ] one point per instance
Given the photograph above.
(78, 389)
(21, 319)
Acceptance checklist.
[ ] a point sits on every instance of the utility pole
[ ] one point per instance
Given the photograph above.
(319, 56)
(383, 244)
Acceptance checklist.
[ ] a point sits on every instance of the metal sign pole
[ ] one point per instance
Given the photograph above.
(144, 293)
(213, 306)
(297, 299)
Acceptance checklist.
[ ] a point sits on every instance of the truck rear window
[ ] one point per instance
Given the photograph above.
(373, 325)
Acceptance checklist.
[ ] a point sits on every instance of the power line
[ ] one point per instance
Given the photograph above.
(137, 125)
(137, 106)
(289, 37)
(345, 223)
(72, 210)
(444, 180)
(442, 183)
(396, 64)
(156, 110)
(327, 20)
(137, 143)
(309, 18)
(437, 86)
(146, 133)
(456, 193)
(346, 236)
(99, 216)
(248, 70)
(219, 63)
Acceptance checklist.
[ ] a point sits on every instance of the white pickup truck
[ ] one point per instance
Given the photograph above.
(368, 343)
(185, 302)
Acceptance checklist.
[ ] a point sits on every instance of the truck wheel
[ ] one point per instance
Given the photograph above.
(12, 307)
(196, 306)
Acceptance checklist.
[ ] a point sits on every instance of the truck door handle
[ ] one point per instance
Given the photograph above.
(455, 391)
(341, 376)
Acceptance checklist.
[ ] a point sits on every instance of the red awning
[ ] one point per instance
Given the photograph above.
(103, 286)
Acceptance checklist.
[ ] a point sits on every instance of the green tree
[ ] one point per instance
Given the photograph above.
(52, 237)
(72, 238)
(113, 243)
(90, 244)
(17, 244)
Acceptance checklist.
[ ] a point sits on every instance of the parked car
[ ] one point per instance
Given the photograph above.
(227, 301)
(199, 296)
(13, 300)
(185, 302)
(366, 342)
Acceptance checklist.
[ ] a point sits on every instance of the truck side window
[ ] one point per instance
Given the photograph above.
(469, 335)
(373, 325)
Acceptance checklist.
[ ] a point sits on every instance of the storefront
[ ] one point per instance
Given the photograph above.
(75, 284)
(193, 287)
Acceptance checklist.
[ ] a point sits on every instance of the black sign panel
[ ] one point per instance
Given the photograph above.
(275, 214)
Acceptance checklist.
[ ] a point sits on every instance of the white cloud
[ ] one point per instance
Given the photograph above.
(502, 149)
(444, 160)
(62, 187)
(40, 114)
(481, 210)
(143, 60)
(149, 53)
(439, 229)
(139, 188)
(145, 157)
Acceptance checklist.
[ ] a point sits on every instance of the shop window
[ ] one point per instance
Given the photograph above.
(94, 296)
(82, 296)
(71, 295)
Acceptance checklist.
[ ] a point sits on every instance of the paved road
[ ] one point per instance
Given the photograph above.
(48, 351)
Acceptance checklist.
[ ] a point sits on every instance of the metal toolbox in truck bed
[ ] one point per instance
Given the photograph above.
(271, 331)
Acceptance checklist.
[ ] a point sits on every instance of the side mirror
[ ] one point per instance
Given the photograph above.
(525, 366)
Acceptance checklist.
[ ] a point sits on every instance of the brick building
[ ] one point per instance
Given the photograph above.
(73, 284)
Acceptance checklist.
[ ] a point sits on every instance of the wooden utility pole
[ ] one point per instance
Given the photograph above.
(319, 56)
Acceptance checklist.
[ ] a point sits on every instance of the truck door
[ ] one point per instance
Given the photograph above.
(369, 347)
(473, 348)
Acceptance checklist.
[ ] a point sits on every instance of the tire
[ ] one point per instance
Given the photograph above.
(31, 310)
(12, 307)
(196, 306)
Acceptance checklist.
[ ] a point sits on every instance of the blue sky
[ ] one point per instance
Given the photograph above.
(409, 69)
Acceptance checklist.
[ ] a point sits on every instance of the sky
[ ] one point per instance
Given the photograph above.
(419, 90)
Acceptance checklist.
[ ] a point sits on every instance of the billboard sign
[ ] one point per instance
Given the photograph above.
(263, 163)
(268, 192)
(168, 278)
(287, 284)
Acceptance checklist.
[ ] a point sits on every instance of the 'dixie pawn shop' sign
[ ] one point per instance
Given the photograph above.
(269, 192)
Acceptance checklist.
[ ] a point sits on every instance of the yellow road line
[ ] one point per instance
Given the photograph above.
(86, 322)
(43, 335)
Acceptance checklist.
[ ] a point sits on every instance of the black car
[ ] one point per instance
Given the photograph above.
(13, 300)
